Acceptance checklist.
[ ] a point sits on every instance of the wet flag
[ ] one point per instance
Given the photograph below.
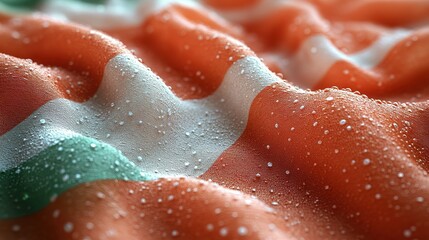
(246, 119)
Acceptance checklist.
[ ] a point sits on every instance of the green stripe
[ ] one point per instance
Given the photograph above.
(32, 185)
(20, 4)
(26, 5)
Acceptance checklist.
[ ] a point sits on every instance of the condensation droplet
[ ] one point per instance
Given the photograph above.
(366, 161)
(242, 231)
(68, 227)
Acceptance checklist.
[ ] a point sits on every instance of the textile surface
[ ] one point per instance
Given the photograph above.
(214, 119)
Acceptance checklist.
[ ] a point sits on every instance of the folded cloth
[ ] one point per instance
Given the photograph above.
(246, 119)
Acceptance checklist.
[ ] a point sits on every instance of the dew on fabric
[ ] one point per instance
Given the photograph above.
(366, 161)
(210, 227)
(68, 227)
(242, 231)
(223, 232)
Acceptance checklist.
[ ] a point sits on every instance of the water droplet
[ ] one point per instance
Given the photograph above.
(68, 227)
(242, 231)
(209, 227)
(90, 225)
(56, 213)
(100, 195)
(407, 233)
(65, 177)
(217, 210)
(377, 196)
(366, 161)
(16, 228)
(223, 231)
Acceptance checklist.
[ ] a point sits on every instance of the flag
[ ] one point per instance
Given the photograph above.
(247, 119)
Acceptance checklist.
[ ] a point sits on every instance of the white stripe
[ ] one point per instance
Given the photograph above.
(317, 55)
(112, 14)
(255, 12)
(314, 58)
(173, 131)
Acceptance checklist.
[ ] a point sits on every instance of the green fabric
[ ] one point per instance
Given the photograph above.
(31, 186)
(29, 6)
(21, 4)
(26, 5)
(33, 4)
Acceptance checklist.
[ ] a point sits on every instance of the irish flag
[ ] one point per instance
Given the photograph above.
(214, 119)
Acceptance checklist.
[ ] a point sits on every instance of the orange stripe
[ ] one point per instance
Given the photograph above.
(195, 62)
(68, 62)
(389, 13)
(285, 29)
(403, 70)
(231, 5)
(288, 129)
(190, 207)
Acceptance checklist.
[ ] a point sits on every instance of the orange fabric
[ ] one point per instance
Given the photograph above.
(311, 152)
(388, 13)
(168, 208)
(228, 5)
(66, 62)
(195, 63)
(391, 77)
